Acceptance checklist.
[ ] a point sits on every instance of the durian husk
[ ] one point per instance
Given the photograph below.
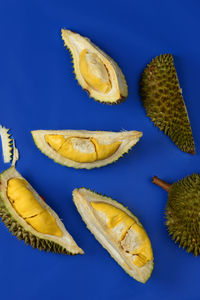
(162, 98)
(23, 231)
(183, 213)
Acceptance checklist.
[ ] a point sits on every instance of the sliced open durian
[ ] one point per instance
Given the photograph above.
(96, 72)
(119, 232)
(28, 217)
(85, 149)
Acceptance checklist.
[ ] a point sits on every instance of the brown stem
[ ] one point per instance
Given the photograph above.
(161, 183)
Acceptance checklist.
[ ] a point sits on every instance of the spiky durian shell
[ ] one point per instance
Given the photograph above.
(162, 98)
(183, 213)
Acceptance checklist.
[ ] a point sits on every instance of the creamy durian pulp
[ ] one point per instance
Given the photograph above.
(25, 204)
(131, 236)
(81, 149)
(94, 71)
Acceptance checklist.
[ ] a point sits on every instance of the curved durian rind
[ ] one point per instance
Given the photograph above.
(82, 198)
(76, 43)
(6, 144)
(127, 138)
(182, 213)
(20, 228)
(162, 98)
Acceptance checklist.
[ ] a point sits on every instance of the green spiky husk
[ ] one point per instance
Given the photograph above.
(183, 213)
(162, 98)
(29, 238)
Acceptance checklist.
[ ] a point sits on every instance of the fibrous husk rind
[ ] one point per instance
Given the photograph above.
(6, 144)
(20, 228)
(183, 213)
(128, 138)
(116, 76)
(15, 155)
(82, 198)
(162, 98)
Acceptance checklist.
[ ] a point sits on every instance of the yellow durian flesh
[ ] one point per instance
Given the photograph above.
(81, 149)
(55, 140)
(144, 251)
(25, 204)
(94, 71)
(22, 198)
(78, 149)
(103, 151)
(131, 236)
(45, 223)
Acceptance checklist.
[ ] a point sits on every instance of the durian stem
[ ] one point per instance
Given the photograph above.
(161, 183)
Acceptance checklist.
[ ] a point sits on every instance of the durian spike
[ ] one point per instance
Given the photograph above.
(161, 183)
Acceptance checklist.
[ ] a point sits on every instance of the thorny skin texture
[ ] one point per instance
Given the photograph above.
(183, 211)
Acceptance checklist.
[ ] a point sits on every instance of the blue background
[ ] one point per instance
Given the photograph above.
(38, 91)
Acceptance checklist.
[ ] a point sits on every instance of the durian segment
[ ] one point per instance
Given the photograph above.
(27, 206)
(77, 149)
(118, 230)
(136, 242)
(22, 198)
(38, 216)
(132, 237)
(81, 149)
(114, 218)
(45, 223)
(85, 149)
(104, 151)
(183, 213)
(55, 140)
(95, 71)
(162, 98)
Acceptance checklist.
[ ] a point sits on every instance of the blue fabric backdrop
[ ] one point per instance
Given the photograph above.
(38, 91)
